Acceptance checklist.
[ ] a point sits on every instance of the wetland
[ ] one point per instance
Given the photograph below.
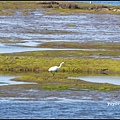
(37, 35)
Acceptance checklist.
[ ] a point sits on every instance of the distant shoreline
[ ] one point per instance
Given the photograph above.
(53, 7)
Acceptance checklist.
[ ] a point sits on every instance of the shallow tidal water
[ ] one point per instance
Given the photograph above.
(29, 103)
(59, 106)
(6, 80)
(100, 79)
(65, 108)
(37, 28)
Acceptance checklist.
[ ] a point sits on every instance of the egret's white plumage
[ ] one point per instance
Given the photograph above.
(55, 68)
(90, 2)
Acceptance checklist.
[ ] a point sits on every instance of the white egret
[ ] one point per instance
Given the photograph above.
(55, 68)
(90, 2)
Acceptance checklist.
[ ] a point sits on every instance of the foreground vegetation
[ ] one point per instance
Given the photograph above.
(61, 7)
(61, 82)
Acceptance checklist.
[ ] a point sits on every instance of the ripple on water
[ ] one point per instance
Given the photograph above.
(57, 109)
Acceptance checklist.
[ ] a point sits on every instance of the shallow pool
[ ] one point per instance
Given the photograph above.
(7, 80)
(100, 79)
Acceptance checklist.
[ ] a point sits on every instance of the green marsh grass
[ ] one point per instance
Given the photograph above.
(33, 66)
(74, 62)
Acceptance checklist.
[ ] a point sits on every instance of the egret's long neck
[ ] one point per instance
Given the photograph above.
(60, 65)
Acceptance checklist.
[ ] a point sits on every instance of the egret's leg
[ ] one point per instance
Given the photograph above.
(52, 73)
